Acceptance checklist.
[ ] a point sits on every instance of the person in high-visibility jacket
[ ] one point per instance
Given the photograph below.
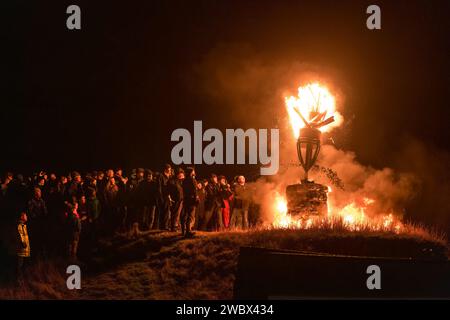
(23, 245)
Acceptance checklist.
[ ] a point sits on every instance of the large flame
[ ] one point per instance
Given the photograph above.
(352, 217)
(316, 105)
(313, 101)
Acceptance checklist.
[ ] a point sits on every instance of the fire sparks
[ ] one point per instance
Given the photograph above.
(314, 105)
(352, 217)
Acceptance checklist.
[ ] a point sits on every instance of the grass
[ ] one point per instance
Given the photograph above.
(162, 265)
(47, 281)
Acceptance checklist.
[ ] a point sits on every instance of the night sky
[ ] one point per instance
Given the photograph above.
(111, 94)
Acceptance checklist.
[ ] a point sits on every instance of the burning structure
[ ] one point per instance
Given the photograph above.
(309, 114)
(309, 204)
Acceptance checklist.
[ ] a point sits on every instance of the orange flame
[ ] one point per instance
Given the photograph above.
(281, 219)
(352, 217)
(314, 103)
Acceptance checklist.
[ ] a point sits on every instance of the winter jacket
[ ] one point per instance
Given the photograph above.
(93, 208)
(111, 193)
(75, 189)
(241, 197)
(190, 197)
(163, 187)
(225, 194)
(176, 189)
(37, 208)
(212, 196)
(23, 243)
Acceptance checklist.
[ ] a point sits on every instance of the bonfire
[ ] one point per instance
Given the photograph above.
(308, 204)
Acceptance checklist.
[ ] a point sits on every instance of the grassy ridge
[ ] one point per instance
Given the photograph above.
(162, 265)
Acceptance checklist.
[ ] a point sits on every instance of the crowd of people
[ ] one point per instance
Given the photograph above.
(54, 212)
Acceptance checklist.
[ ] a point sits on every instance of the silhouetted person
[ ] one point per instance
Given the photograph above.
(226, 196)
(4, 183)
(101, 185)
(147, 199)
(122, 199)
(133, 204)
(176, 194)
(38, 214)
(111, 216)
(75, 186)
(94, 210)
(23, 246)
(190, 202)
(73, 229)
(241, 202)
(213, 206)
(164, 200)
(200, 211)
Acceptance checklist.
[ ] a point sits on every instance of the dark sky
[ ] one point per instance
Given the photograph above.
(112, 93)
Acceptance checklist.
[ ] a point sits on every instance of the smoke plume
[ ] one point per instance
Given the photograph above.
(246, 89)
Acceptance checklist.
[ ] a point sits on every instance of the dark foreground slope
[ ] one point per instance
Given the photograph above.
(162, 265)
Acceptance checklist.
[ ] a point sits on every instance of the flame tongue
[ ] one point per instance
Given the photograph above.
(351, 217)
(314, 107)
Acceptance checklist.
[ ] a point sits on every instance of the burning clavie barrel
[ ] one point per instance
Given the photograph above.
(309, 113)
